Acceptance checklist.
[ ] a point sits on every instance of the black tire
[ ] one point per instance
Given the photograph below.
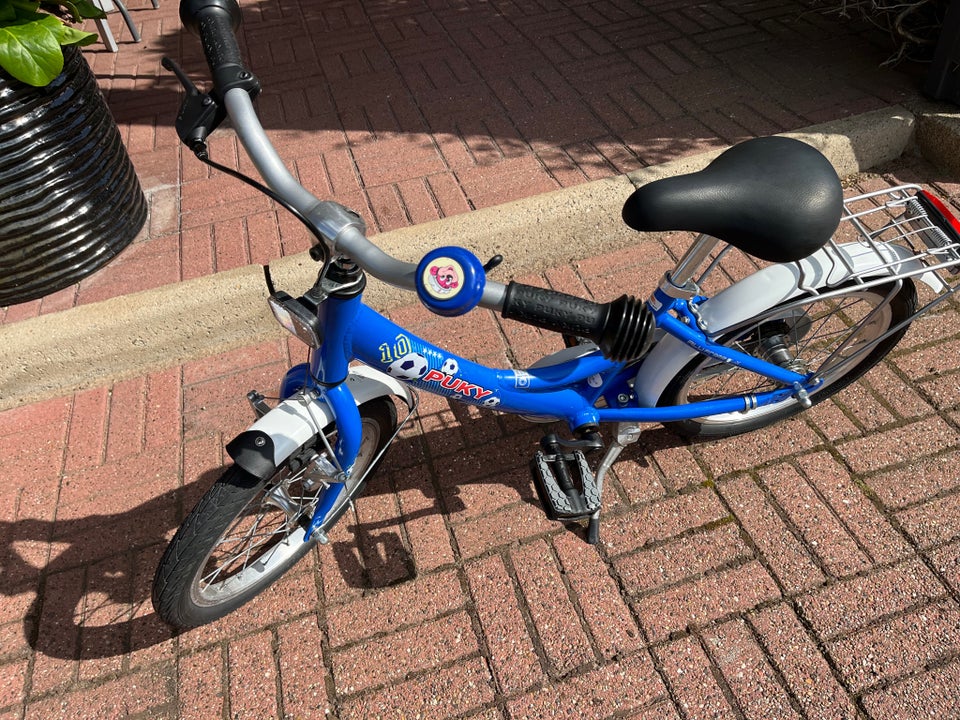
(812, 330)
(239, 535)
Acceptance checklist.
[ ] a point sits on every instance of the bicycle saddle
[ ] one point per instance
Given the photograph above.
(775, 198)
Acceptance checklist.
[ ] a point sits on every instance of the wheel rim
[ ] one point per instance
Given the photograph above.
(268, 532)
(817, 334)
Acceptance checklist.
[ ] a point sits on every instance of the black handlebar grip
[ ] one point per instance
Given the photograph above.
(552, 310)
(623, 329)
(215, 22)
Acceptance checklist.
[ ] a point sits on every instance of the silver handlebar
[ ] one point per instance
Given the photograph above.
(347, 237)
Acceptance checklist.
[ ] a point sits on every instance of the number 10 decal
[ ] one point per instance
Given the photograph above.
(399, 348)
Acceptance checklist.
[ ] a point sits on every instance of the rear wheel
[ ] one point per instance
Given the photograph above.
(245, 532)
(819, 335)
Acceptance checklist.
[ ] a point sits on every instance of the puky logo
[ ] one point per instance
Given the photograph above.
(457, 385)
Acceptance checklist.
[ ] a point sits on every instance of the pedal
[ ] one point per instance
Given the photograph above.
(565, 484)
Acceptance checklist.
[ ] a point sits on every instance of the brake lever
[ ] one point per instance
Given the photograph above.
(492, 263)
(200, 114)
(170, 65)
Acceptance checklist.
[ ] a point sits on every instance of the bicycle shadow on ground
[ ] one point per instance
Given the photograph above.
(484, 482)
(91, 598)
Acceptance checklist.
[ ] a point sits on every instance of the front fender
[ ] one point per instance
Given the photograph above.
(765, 289)
(265, 445)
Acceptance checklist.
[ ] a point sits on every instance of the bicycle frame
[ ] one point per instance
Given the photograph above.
(569, 390)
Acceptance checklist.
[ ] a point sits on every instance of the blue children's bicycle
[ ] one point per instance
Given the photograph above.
(818, 315)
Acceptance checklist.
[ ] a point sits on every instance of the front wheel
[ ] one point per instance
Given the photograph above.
(246, 532)
(818, 335)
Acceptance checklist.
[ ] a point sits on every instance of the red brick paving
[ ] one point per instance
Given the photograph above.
(810, 570)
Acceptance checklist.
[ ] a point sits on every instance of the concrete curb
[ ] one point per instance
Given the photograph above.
(123, 337)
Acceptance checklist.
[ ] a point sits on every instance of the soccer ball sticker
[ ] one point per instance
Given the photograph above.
(411, 366)
(449, 367)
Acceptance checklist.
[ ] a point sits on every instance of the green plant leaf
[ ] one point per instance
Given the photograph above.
(31, 52)
(88, 10)
(30, 7)
(72, 36)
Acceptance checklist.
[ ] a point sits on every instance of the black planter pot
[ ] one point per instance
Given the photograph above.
(69, 197)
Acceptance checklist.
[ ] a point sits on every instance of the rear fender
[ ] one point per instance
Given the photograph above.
(765, 289)
(261, 448)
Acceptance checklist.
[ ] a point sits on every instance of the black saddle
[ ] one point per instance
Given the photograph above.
(775, 198)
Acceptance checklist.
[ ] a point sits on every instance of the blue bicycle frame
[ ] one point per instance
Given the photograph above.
(569, 390)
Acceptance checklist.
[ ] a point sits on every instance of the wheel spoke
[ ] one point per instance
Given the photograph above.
(820, 338)
(229, 562)
(260, 527)
(836, 339)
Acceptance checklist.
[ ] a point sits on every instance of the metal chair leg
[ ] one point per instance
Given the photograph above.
(128, 20)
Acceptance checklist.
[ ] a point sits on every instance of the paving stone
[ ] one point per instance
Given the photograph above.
(556, 620)
(55, 658)
(102, 616)
(391, 658)
(933, 522)
(604, 609)
(200, 685)
(426, 531)
(12, 677)
(747, 672)
(898, 445)
(821, 530)
(851, 604)
(439, 694)
(386, 559)
(898, 646)
(301, 667)
(709, 598)
(789, 560)
(742, 452)
(946, 561)
(917, 482)
(87, 434)
(628, 684)
(692, 681)
(681, 559)
(252, 676)
(408, 603)
(661, 520)
(512, 654)
(504, 527)
(879, 541)
(932, 693)
(799, 661)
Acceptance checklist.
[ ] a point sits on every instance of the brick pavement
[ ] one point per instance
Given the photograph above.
(809, 570)
(415, 111)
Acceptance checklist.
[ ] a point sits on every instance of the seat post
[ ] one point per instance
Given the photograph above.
(691, 261)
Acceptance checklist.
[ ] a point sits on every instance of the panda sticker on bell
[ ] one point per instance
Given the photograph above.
(450, 282)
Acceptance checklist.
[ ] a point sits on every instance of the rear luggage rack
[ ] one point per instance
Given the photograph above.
(907, 217)
(886, 236)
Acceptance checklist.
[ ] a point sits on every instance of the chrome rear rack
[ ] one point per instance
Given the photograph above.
(904, 231)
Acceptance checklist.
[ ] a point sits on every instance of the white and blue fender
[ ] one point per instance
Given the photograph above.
(265, 445)
(769, 287)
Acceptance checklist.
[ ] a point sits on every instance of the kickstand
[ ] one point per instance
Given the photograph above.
(627, 434)
(593, 529)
